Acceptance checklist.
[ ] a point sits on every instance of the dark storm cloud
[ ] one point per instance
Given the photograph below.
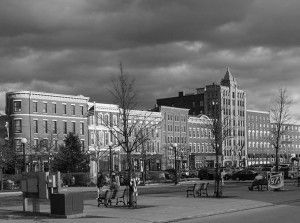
(168, 46)
(113, 24)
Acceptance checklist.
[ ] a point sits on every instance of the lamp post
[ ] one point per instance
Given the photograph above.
(110, 159)
(175, 158)
(24, 141)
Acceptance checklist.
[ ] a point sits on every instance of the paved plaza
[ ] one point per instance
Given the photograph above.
(172, 206)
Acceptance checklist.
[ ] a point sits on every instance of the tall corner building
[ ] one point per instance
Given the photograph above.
(228, 102)
(44, 120)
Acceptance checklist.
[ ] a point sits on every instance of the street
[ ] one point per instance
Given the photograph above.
(277, 213)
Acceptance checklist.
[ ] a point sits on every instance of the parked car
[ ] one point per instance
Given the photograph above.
(170, 174)
(228, 173)
(294, 173)
(193, 173)
(185, 174)
(206, 174)
(244, 175)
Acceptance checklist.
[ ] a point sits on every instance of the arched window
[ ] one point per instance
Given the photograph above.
(106, 119)
(100, 118)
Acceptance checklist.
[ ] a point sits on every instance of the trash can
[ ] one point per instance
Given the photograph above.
(66, 205)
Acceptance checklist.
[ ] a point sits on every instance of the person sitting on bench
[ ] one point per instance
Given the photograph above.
(115, 184)
(258, 181)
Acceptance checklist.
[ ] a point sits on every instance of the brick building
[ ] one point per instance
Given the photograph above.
(260, 149)
(290, 143)
(200, 140)
(258, 129)
(225, 101)
(44, 119)
(174, 127)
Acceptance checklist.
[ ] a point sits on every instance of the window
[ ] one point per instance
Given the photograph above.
(45, 126)
(54, 108)
(82, 144)
(73, 109)
(101, 137)
(106, 119)
(73, 127)
(35, 142)
(92, 138)
(17, 106)
(44, 143)
(35, 106)
(65, 127)
(100, 118)
(55, 127)
(45, 107)
(106, 138)
(35, 126)
(81, 110)
(115, 120)
(55, 144)
(82, 128)
(18, 125)
(65, 108)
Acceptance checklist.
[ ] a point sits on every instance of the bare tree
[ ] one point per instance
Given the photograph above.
(46, 147)
(220, 131)
(280, 118)
(134, 125)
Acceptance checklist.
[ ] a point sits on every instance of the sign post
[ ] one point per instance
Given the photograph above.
(275, 180)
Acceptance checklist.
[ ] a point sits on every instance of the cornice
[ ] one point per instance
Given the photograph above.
(48, 96)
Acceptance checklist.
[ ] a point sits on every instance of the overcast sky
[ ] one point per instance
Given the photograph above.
(75, 46)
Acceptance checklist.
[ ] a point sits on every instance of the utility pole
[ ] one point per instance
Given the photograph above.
(24, 141)
(110, 160)
(175, 158)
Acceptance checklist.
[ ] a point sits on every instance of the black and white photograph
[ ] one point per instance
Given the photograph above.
(147, 111)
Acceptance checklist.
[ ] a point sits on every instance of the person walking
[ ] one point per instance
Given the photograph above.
(100, 182)
(103, 189)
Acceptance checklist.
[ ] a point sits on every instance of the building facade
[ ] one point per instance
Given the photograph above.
(174, 136)
(202, 154)
(226, 102)
(260, 148)
(105, 134)
(258, 130)
(44, 120)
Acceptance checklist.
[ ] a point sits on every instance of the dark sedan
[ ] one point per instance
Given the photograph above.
(244, 175)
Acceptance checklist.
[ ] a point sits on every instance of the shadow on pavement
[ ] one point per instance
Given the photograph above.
(18, 215)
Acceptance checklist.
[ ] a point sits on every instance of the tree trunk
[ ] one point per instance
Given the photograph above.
(276, 159)
(217, 191)
(129, 176)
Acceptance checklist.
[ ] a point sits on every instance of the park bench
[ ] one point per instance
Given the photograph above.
(192, 190)
(260, 185)
(106, 197)
(203, 189)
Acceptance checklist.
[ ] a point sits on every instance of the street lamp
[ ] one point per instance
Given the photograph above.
(175, 158)
(110, 159)
(24, 141)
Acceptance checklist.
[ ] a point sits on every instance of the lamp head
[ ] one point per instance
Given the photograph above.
(174, 144)
(110, 144)
(24, 140)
